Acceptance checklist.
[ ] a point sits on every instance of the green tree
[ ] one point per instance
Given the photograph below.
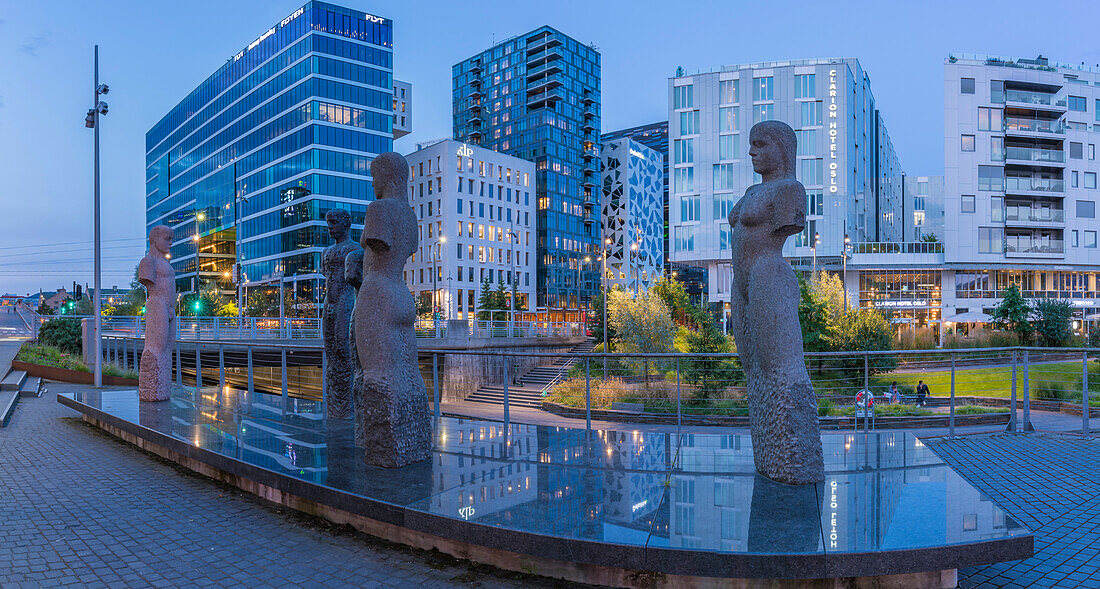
(830, 290)
(929, 238)
(62, 333)
(1052, 321)
(261, 302)
(134, 302)
(1013, 313)
(44, 309)
(674, 295)
(708, 375)
(862, 330)
(813, 315)
(642, 324)
(595, 322)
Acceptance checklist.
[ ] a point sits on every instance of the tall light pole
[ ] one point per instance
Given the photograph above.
(91, 121)
(578, 285)
(817, 240)
(513, 237)
(844, 279)
(606, 244)
(633, 249)
(435, 259)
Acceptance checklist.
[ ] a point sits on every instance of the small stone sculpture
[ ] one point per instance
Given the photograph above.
(336, 318)
(786, 437)
(156, 274)
(391, 403)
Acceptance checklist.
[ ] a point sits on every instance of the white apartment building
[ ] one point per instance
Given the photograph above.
(476, 214)
(846, 161)
(631, 213)
(1021, 189)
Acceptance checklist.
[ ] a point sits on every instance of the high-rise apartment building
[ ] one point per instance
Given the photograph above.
(1021, 190)
(631, 215)
(845, 159)
(246, 166)
(475, 211)
(537, 96)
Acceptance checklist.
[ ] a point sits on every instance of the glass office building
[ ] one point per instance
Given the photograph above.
(245, 167)
(537, 96)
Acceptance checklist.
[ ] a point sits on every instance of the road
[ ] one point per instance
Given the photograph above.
(12, 326)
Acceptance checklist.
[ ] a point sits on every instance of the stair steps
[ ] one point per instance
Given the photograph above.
(32, 387)
(13, 381)
(8, 401)
(529, 393)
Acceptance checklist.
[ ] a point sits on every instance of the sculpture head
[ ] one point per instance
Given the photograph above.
(390, 175)
(772, 146)
(160, 239)
(339, 222)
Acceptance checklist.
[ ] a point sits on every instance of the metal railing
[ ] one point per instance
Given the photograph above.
(1034, 183)
(1035, 154)
(674, 385)
(1027, 97)
(1034, 125)
(908, 247)
(1024, 213)
(1034, 246)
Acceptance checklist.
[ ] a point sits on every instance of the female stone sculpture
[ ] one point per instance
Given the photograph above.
(339, 299)
(156, 274)
(391, 403)
(786, 438)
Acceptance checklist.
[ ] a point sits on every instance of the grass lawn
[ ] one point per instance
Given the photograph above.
(996, 382)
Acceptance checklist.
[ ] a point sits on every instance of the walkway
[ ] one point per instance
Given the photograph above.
(80, 508)
(1051, 484)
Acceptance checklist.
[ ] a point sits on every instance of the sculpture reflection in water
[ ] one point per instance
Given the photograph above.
(786, 438)
(159, 280)
(336, 321)
(391, 402)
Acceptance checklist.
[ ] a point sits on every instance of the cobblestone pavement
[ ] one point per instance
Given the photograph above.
(1050, 483)
(79, 508)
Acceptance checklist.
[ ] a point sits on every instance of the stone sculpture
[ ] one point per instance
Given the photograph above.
(353, 275)
(336, 318)
(156, 274)
(391, 403)
(786, 437)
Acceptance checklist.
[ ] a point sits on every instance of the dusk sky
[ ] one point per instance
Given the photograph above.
(153, 53)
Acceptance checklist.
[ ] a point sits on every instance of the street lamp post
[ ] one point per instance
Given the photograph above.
(634, 275)
(607, 242)
(844, 278)
(817, 240)
(513, 237)
(578, 285)
(92, 119)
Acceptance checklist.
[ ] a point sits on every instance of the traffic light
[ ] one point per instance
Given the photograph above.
(79, 292)
(198, 306)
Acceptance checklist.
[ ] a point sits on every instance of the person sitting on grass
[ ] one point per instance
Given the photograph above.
(895, 396)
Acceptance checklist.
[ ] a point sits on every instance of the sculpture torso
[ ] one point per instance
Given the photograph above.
(156, 274)
(339, 295)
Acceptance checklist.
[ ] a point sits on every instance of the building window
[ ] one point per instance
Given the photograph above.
(762, 89)
(763, 112)
(1073, 179)
(815, 203)
(967, 142)
(991, 178)
(807, 141)
(727, 118)
(689, 122)
(723, 204)
(1074, 239)
(1076, 150)
(1086, 209)
(1090, 179)
(991, 240)
(997, 149)
(684, 238)
(997, 209)
(1090, 239)
(729, 148)
(683, 151)
(805, 86)
(966, 85)
(1092, 151)
(683, 179)
(1078, 103)
(997, 91)
(810, 171)
(811, 113)
(724, 175)
(967, 203)
(683, 97)
(689, 208)
(990, 119)
(727, 91)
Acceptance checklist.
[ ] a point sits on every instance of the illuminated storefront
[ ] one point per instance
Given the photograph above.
(909, 297)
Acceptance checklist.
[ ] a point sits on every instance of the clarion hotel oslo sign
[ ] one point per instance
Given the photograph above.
(832, 131)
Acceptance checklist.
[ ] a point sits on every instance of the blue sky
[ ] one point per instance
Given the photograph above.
(153, 53)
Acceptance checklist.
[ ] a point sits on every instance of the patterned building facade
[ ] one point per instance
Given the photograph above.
(631, 213)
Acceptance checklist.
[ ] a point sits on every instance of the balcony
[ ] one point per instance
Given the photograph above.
(588, 126)
(474, 120)
(588, 98)
(588, 180)
(1031, 184)
(546, 82)
(552, 67)
(544, 98)
(589, 218)
(475, 68)
(476, 93)
(475, 82)
(1034, 100)
(1035, 155)
(475, 108)
(1026, 127)
(1025, 215)
(545, 42)
(1023, 246)
(890, 247)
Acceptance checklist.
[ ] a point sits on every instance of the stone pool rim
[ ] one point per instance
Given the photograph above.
(573, 559)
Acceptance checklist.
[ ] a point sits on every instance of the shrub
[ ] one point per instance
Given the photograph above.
(921, 338)
(978, 410)
(49, 356)
(62, 333)
(1052, 390)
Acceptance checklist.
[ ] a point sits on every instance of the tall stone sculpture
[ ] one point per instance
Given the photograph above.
(336, 318)
(391, 403)
(786, 437)
(156, 274)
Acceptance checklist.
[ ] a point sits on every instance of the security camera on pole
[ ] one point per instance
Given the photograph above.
(91, 121)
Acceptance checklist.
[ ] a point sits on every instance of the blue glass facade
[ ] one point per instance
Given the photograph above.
(246, 166)
(537, 96)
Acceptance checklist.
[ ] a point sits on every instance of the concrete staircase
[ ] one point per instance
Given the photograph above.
(534, 382)
(15, 385)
